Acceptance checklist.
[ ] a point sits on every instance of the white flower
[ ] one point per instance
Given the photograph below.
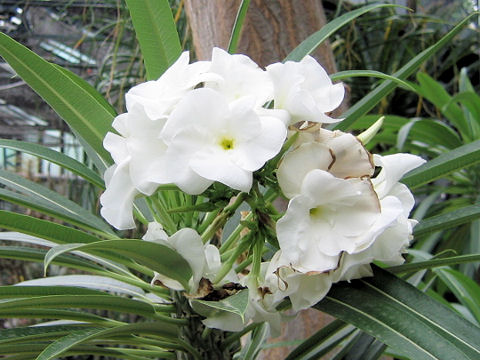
(339, 153)
(239, 76)
(138, 144)
(305, 90)
(160, 96)
(136, 151)
(211, 140)
(117, 199)
(330, 216)
(204, 260)
(303, 289)
(396, 202)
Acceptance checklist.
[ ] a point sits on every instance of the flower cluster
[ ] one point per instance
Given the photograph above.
(222, 121)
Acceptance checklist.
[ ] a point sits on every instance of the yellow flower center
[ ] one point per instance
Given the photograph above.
(317, 212)
(226, 143)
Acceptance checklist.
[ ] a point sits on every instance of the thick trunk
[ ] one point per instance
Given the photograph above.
(271, 30)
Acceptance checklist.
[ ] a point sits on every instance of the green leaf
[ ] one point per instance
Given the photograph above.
(44, 229)
(447, 220)
(308, 45)
(237, 26)
(156, 33)
(403, 317)
(42, 199)
(236, 304)
(465, 289)
(55, 157)
(63, 344)
(437, 95)
(454, 160)
(156, 257)
(78, 107)
(428, 131)
(341, 75)
(429, 264)
(374, 97)
(32, 313)
(22, 334)
(322, 341)
(9, 292)
(37, 255)
(258, 338)
(103, 302)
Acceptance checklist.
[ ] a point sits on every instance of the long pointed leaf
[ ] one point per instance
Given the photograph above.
(82, 111)
(404, 318)
(156, 33)
(55, 157)
(447, 163)
(156, 257)
(447, 220)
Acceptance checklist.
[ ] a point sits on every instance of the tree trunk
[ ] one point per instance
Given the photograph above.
(272, 29)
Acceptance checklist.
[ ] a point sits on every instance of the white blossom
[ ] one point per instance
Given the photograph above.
(117, 199)
(204, 259)
(305, 90)
(210, 139)
(239, 76)
(159, 97)
(328, 217)
(396, 202)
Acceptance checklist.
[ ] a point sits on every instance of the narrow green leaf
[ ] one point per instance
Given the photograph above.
(101, 302)
(447, 163)
(44, 229)
(258, 338)
(374, 97)
(42, 199)
(55, 157)
(341, 75)
(156, 257)
(73, 103)
(308, 45)
(465, 289)
(88, 88)
(31, 313)
(447, 220)
(37, 333)
(329, 335)
(237, 26)
(437, 95)
(156, 33)
(433, 263)
(37, 255)
(9, 292)
(403, 317)
(63, 344)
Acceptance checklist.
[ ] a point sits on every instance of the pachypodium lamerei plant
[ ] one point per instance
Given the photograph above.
(259, 133)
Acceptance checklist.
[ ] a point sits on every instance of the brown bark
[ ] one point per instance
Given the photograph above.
(272, 29)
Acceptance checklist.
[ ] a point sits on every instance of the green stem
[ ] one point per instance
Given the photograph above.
(227, 266)
(209, 217)
(229, 340)
(167, 220)
(222, 218)
(257, 257)
(234, 235)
